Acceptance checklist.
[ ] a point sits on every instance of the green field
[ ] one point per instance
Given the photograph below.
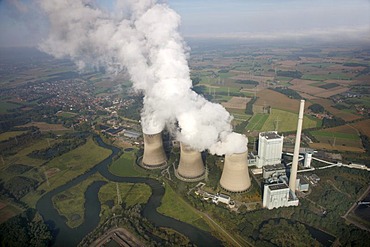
(5, 106)
(125, 166)
(69, 165)
(6, 135)
(67, 114)
(131, 194)
(22, 158)
(257, 121)
(287, 121)
(174, 206)
(323, 77)
(70, 203)
(337, 138)
(75, 162)
(8, 210)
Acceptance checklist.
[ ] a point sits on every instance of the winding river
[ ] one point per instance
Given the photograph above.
(66, 236)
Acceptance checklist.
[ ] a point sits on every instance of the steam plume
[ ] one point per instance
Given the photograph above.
(142, 37)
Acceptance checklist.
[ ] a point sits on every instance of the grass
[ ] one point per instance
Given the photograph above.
(70, 165)
(131, 194)
(76, 162)
(8, 210)
(286, 121)
(10, 134)
(337, 141)
(70, 203)
(174, 206)
(5, 106)
(323, 133)
(257, 121)
(67, 114)
(22, 158)
(125, 166)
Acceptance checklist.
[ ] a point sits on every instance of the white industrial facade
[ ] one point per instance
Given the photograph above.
(270, 148)
(278, 195)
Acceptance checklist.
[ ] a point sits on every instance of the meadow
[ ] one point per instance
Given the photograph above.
(279, 120)
(342, 138)
(68, 166)
(174, 206)
(125, 166)
(7, 135)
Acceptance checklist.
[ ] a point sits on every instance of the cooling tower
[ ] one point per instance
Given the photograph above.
(154, 155)
(235, 176)
(294, 168)
(191, 164)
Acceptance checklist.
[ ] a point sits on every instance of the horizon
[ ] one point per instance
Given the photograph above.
(23, 24)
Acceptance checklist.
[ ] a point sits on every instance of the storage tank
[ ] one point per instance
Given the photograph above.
(235, 175)
(154, 156)
(191, 164)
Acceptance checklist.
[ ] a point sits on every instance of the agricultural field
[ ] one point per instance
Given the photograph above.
(21, 157)
(312, 90)
(5, 106)
(236, 103)
(328, 105)
(45, 127)
(278, 101)
(363, 127)
(6, 135)
(8, 210)
(68, 166)
(280, 120)
(342, 138)
(66, 114)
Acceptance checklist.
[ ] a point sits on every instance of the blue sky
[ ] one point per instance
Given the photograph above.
(270, 18)
(22, 24)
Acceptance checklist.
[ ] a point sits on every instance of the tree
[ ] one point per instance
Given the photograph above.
(316, 108)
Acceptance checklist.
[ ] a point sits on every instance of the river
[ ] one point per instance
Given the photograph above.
(66, 236)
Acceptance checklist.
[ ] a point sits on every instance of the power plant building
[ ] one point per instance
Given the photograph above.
(154, 156)
(278, 195)
(270, 148)
(235, 175)
(191, 167)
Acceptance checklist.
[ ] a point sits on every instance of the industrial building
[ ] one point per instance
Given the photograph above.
(278, 195)
(154, 156)
(277, 192)
(235, 175)
(270, 148)
(191, 165)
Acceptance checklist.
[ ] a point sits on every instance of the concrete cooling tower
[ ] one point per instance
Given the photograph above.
(191, 164)
(235, 176)
(154, 156)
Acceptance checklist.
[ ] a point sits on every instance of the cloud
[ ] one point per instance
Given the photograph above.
(142, 37)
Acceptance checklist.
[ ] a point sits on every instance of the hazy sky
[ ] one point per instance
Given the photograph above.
(21, 23)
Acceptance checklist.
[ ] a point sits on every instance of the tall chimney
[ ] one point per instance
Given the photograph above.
(191, 163)
(235, 175)
(294, 168)
(154, 155)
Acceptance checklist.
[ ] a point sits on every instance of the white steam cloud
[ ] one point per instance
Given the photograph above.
(142, 37)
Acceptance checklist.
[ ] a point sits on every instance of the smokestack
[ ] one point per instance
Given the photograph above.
(154, 155)
(235, 176)
(294, 168)
(191, 164)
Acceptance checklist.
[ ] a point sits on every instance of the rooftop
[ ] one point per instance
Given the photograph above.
(278, 186)
(270, 135)
(274, 167)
